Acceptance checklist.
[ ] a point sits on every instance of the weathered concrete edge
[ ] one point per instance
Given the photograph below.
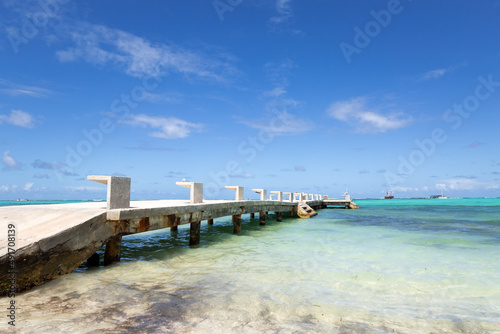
(56, 255)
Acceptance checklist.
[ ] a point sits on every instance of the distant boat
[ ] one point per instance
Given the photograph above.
(388, 194)
(440, 196)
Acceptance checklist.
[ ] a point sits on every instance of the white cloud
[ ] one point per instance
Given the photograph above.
(4, 187)
(466, 184)
(169, 127)
(298, 168)
(365, 119)
(10, 162)
(14, 89)
(18, 118)
(28, 186)
(100, 45)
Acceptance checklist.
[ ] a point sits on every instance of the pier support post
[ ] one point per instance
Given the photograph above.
(252, 215)
(210, 221)
(236, 224)
(174, 230)
(196, 191)
(262, 217)
(279, 216)
(240, 191)
(194, 234)
(112, 250)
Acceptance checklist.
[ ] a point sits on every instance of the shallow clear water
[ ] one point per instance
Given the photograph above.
(403, 266)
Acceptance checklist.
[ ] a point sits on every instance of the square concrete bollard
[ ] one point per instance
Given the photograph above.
(118, 196)
(290, 197)
(326, 197)
(280, 195)
(196, 194)
(240, 196)
(262, 192)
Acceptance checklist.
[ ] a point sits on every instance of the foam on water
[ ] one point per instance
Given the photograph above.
(411, 267)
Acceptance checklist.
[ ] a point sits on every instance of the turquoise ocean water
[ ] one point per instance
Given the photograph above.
(393, 266)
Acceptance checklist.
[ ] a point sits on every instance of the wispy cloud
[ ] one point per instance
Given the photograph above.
(366, 119)
(28, 186)
(168, 127)
(284, 12)
(440, 72)
(18, 118)
(243, 175)
(474, 144)
(41, 176)
(466, 184)
(13, 89)
(138, 57)
(298, 168)
(281, 123)
(434, 74)
(9, 162)
(58, 167)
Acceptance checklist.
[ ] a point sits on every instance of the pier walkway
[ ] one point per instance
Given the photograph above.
(53, 240)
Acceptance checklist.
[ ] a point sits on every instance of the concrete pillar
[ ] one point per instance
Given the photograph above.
(290, 197)
(262, 192)
(252, 215)
(297, 197)
(262, 217)
(194, 234)
(112, 251)
(210, 221)
(271, 197)
(279, 194)
(279, 216)
(326, 198)
(239, 192)
(236, 224)
(303, 197)
(118, 196)
(174, 230)
(196, 193)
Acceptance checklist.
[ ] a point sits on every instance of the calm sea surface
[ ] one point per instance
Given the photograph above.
(393, 266)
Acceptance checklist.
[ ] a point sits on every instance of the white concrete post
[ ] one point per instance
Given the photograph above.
(196, 194)
(271, 197)
(290, 197)
(262, 192)
(118, 196)
(326, 197)
(239, 192)
(280, 195)
(303, 197)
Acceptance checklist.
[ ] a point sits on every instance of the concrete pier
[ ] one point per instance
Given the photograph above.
(53, 240)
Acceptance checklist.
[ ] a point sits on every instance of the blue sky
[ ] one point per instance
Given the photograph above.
(287, 95)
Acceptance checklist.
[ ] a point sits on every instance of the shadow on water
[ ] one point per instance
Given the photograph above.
(165, 244)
